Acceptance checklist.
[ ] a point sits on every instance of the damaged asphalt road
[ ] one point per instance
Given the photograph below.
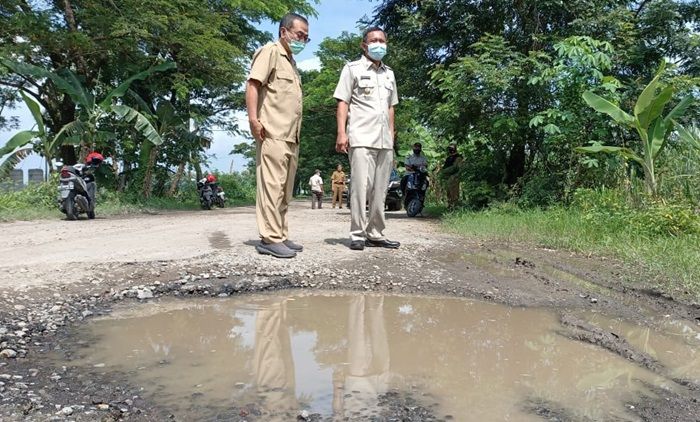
(54, 275)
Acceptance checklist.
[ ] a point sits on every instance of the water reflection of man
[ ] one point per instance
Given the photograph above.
(272, 359)
(367, 373)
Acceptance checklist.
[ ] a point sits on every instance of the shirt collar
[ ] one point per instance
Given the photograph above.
(369, 63)
(282, 51)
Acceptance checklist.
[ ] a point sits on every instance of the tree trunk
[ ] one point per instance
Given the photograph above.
(176, 179)
(150, 152)
(516, 164)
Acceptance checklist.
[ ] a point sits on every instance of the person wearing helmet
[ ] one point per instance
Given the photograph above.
(94, 158)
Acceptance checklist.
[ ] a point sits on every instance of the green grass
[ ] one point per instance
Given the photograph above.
(670, 263)
(39, 202)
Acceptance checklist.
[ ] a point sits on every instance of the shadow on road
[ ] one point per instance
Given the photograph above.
(340, 241)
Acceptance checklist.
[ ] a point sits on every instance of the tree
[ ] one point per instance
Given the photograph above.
(85, 130)
(103, 43)
(470, 64)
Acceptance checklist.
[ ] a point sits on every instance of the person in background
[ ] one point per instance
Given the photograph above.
(316, 184)
(366, 94)
(274, 102)
(413, 162)
(450, 173)
(338, 186)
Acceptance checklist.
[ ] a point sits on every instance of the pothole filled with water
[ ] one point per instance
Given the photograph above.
(336, 354)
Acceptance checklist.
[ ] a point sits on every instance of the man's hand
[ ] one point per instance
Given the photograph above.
(258, 130)
(341, 143)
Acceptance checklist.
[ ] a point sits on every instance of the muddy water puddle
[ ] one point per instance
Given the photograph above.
(675, 344)
(335, 354)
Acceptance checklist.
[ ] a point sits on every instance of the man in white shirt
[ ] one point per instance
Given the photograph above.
(366, 94)
(316, 184)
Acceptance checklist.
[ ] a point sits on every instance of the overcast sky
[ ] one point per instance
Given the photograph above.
(334, 17)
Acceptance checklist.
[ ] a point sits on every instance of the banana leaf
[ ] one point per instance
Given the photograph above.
(10, 162)
(77, 93)
(141, 122)
(18, 140)
(124, 86)
(647, 117)
(34, 108)
(602, 105)
(648, 96)
(625, 152)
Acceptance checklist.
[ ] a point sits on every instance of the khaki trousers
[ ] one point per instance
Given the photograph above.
(275, 168)
(338, 194)
(371, 169)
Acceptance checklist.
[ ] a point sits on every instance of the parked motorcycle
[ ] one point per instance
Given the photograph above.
(416, 186)
(393, 197)
(393, 194)
(210, 193)
(77, 187)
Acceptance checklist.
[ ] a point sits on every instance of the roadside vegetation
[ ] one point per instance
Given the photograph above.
(38, 201)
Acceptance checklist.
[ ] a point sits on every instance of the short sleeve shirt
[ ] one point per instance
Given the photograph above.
(370, 91)
(416, 161)
(315, 181)
(280, 102)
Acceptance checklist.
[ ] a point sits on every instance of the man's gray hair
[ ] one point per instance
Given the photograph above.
(371, 29)
(288, 21)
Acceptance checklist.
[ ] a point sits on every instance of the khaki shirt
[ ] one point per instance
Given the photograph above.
(370, 91)
(338, 177)
(280, 102)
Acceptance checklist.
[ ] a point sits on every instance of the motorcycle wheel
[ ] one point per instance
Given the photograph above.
(393, 205)
(206, 204)
(222, 203)
(69, 205)
(414, 207)
(91, 215)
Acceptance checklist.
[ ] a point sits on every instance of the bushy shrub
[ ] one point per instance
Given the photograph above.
(238, 185)
(42, 195)
(648, 216)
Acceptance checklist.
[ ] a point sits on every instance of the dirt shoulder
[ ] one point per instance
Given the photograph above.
(56, 274)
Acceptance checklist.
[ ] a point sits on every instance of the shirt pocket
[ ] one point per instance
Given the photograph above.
(366, 87)
(388, 91)
(284, 82)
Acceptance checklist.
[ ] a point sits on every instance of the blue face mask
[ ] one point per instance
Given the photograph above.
(296, 46)
(376, 50)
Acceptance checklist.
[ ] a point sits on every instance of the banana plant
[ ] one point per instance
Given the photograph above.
(45, 144)
(652, 127)
(85, 130)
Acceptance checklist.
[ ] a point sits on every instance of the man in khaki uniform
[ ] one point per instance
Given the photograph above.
(338, 186)
(274, 102)
(367, 94)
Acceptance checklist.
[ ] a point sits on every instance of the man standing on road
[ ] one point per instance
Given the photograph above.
(338, 186)
(273, 99)
(367, 94)
(316, 184)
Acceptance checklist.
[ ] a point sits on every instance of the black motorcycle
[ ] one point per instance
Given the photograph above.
(394, 195)
(77, 190)
(416, 186)
(392, 201)
(210, 194)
